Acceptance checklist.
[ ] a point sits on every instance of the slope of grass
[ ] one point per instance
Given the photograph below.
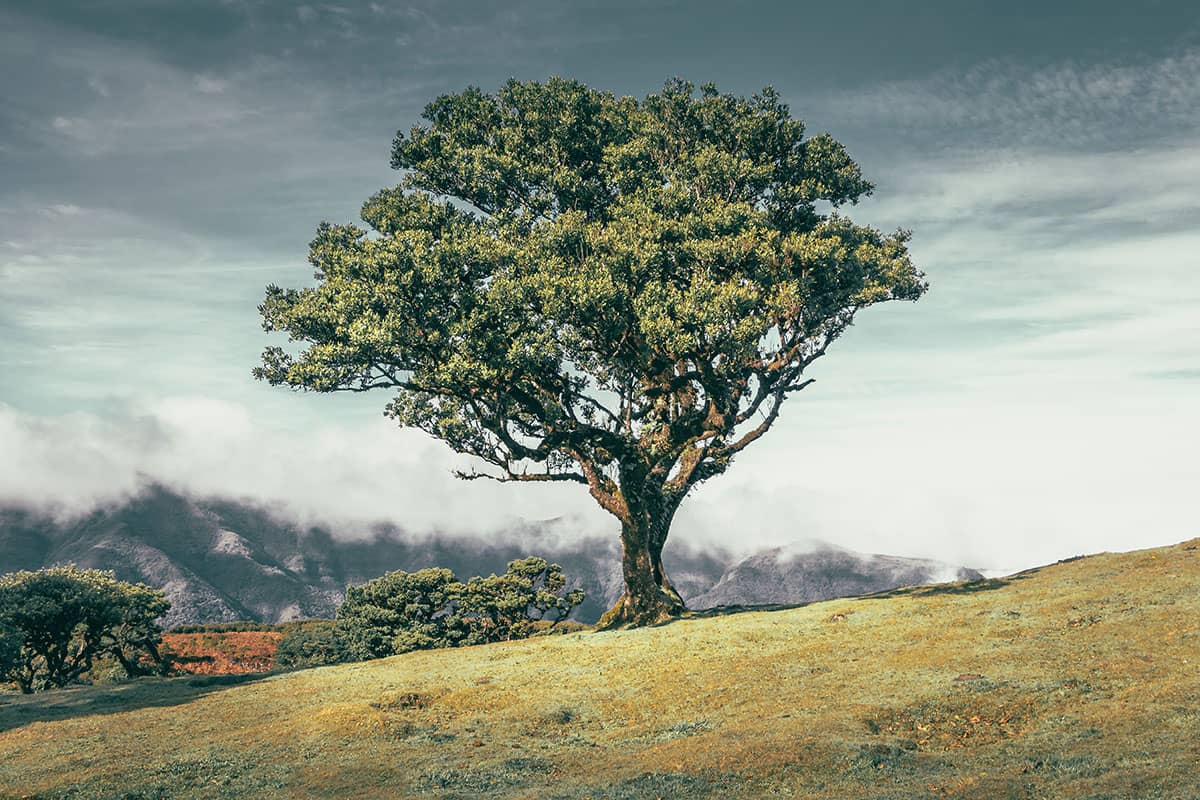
(1077, 680)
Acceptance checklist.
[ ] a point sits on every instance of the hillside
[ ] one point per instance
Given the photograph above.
(221, 560)
(1076, 680)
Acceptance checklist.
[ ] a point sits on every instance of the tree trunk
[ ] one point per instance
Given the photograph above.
(649, 596)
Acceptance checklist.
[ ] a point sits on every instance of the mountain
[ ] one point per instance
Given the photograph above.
(809, 571)
(222, 560)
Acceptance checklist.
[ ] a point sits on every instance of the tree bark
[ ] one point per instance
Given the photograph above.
(649, 598)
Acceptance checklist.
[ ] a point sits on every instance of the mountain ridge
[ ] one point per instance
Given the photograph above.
(222, 560)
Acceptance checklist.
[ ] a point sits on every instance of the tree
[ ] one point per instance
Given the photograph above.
(10, 647)
(404, 611)
(572, 286)
(312, 644)
(399, 612)
(503, 607)
(134, 640)
(63, 619)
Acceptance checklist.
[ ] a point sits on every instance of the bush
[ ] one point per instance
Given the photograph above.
(56, 623)
(312, 645)
(431, 608)
(10, 647)
(509, 606)
(399, 612)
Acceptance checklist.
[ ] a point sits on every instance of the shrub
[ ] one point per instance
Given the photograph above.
(509, 606)
(399, 612)
(312, 645)
(56, 623)
(10, 647)
(431, 608)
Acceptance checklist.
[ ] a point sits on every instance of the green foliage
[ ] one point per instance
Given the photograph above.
(10, 646)
(312, 645)
(668, 252)
(573, 286)
(509, 606)
(64, 619)
(430, 608)
(399, 612)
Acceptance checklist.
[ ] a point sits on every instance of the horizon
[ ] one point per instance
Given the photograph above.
(163, 164)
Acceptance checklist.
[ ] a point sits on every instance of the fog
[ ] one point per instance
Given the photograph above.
(986, 501)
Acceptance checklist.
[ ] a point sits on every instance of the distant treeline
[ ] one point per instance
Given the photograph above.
(64, 625)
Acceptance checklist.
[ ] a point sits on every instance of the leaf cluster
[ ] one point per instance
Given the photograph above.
(316, 643)
(56, 623)
(430, 608)
(573, 286)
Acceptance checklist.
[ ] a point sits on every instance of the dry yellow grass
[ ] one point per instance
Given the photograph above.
(1075, 680)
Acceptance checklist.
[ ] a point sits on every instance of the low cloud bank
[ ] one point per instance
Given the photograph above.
(998, 493)
(348, 477)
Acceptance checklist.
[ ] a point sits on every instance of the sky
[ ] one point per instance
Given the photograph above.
(161, 162)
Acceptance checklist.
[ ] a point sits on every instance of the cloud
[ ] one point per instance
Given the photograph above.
(346, 475)
(62, 210)
(998, 481)
(1036, 404)
(1006, 103)
(207, 84)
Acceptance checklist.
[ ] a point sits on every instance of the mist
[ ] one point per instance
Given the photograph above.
(932, 484)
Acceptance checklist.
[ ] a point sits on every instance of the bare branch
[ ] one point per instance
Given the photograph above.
(512, 477)
(603, 489)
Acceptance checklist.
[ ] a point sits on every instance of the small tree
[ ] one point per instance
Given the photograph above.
(312, 644)
(399, 612)
(572, 286)
(404, 611)
(509, 606)
(10, 647)
(66, 618)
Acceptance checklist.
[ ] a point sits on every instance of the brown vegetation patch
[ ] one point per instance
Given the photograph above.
(221, 653)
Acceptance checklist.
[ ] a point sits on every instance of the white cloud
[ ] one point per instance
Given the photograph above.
(1007, 103)
(62, 210)
(348, 475)
(998, 479)
(99, 86)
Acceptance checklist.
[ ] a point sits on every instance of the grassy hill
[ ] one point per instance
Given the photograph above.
(1075, 680)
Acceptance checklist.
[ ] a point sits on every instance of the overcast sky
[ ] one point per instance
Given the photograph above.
(160, 162)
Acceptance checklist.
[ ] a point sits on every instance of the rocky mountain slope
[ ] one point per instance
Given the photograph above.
(811, 571)
(221, 560)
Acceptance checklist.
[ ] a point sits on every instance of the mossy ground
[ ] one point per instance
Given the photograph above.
(1077, 680)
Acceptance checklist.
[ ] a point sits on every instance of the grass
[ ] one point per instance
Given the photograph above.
(1077, 680)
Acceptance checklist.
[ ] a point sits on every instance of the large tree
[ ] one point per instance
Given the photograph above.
(573, 286)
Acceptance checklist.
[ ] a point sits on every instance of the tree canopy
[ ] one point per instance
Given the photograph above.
(430, 608)
(55, 623)
(574, 286)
